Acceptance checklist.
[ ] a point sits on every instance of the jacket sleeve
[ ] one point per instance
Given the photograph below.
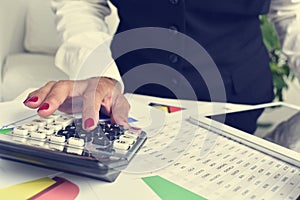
(85, 39)
(285, 15)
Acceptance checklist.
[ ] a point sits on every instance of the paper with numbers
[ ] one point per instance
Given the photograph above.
(225, 169)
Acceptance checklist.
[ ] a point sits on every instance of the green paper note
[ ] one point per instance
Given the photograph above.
(5, 131)
(167, 190)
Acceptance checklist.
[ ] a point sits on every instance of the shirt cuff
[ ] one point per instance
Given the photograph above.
(88, 55)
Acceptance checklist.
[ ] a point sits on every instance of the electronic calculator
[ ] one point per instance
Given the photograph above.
(60, 143)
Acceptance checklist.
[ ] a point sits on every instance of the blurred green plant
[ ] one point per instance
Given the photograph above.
(278, 61)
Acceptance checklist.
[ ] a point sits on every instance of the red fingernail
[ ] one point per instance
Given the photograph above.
(88, 123)
(31, 99)
(45, 106)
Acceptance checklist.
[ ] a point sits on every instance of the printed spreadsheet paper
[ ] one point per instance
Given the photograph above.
(220, 169)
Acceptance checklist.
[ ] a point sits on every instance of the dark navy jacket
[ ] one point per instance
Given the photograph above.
(228, 30)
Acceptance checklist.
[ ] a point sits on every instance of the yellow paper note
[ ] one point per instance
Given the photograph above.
(26, 190)
(163, 108)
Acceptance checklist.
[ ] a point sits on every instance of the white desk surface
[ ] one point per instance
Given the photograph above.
(127, 186)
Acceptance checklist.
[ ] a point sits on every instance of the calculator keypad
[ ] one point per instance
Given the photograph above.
(64, 133)
(59, 142)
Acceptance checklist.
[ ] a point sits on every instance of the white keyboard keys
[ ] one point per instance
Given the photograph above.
(57, 138)
(39, 122)
(128, 139)
(38, 135)
(47, 130)
(53, 117)
(131, 134)
(48, 120)
(74, 150)
(38, 143)
(78, 142)
(121, 144)
(64, 121)
(30, 126)
(57, 147)
(55, 126)
(19, 130)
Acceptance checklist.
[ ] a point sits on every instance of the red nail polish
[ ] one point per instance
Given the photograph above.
(45, 106)
(31, 99)
(88, 123)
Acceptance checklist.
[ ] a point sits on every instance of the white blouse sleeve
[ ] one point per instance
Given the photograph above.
(85, 50)
(285, 14)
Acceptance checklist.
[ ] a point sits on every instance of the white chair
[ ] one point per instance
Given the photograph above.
(28, 43)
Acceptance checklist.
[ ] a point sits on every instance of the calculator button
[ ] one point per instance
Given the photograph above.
(110, 136)
(71, 128)
(39, 122)
(77, 123)
(114, 131)
(57, 147)
(85, 136)
(75, 135)
(65, 133)
(131, 134)
(19, 130)
(47, 130)
(37, 135)
(64, 121)
(37, 143)
(121, 144)
(98, 132)
(53, 116)
(55, 126)
(101, 141)
(76, 142)
(48, 120)
(129, 139)
(119, 127)
(87, 139)
(73, 150)
(57, 138)
(30, 126)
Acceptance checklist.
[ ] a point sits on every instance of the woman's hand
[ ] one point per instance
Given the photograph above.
(86, 96)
